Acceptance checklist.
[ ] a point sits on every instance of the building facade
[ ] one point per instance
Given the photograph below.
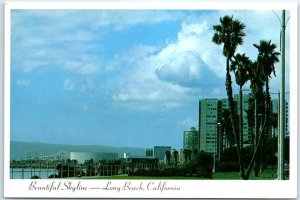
(160, 152)
(275, 106)
(149, 152)
(209, 110)
(191, 139)
(81, 157)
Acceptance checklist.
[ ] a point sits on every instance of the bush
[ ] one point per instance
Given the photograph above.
(201, 165)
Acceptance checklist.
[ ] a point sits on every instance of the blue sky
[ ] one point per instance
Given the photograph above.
(120, 77)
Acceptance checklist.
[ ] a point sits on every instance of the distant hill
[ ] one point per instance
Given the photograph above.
(23, 150)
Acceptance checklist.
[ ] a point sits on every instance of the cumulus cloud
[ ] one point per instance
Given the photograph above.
(174, 72)
(187, 69)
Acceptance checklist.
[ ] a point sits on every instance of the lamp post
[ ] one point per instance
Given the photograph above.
(282, 104)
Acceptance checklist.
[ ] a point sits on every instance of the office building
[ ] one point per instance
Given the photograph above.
(209, 110)
(191, 139)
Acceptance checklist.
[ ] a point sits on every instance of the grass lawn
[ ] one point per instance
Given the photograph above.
(268, 174)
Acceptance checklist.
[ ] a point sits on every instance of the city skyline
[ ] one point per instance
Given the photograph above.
(120, 78)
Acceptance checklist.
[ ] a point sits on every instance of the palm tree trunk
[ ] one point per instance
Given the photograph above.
(267, 132)
(232, 118)
(256, 147)
(256, 151)
(241, 118)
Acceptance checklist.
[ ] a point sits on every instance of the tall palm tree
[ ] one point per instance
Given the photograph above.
(241, 65)
(257, 82)
(230, 33)
(267, 57)
(226, 127)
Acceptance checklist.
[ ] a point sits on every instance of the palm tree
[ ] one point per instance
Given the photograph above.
(267, 57)
(256, 84)
(240, 65)
(226, 126)
(230, 33)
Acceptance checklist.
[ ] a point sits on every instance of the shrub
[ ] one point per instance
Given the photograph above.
(35, 177)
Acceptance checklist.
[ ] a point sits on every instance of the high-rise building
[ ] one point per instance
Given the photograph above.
(208, 118)
(210, 122)
(191, 139)
(275, 104)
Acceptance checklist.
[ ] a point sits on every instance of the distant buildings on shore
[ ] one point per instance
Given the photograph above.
(81, 157)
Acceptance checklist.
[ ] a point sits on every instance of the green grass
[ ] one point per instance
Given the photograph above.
(268, 174)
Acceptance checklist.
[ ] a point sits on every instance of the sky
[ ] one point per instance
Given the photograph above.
(124, 78)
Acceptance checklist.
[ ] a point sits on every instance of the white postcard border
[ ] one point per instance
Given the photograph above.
(190, 188)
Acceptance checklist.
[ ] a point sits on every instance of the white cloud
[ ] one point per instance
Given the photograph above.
(192, 63)
(82, 67)
(172, 74)
(30, 65)
(23, 82)
(176, 71)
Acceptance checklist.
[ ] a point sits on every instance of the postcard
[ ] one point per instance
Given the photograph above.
(150, 99)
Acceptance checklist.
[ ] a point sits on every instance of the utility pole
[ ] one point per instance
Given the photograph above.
(281, 133)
